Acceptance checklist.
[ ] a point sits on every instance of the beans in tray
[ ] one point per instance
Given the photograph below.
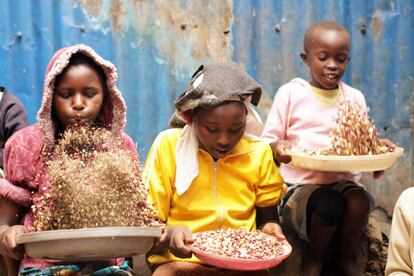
(354, 134)
(238, 243)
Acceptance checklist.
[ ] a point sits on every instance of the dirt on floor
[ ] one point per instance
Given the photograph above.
(370, 257)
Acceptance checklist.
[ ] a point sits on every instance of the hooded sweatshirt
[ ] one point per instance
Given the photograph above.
(26, 175)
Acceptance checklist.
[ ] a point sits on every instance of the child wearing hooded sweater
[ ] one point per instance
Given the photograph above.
(210, 174)
(79, 89)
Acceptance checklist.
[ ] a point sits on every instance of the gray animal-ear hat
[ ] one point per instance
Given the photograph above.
(214, 84)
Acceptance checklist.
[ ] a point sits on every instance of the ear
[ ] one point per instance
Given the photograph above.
(188, 116)
(304, 57)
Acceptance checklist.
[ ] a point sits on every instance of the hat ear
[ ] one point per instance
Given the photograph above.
(197, 81)
(197, 72)
(256, 95)
(196, 78)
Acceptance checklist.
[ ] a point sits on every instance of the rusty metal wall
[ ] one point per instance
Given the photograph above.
(156, 45)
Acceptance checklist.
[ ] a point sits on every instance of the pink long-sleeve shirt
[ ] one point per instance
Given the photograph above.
(300, 118)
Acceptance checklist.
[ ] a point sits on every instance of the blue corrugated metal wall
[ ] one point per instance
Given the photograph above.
(157, 44)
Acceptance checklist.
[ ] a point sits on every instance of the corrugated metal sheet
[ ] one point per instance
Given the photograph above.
(157, 44)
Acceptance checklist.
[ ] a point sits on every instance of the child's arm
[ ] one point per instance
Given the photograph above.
(278, 117)
(157, 176)
(10, 214)
(177, 239)
(15, 119)
(399, 251)
(383, 142)
(130, 146)
(279, 151)
(269, 191)
(277, 122)
(268, 221)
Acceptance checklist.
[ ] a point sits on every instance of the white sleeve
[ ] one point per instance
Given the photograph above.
(277, 119)
(399, 256)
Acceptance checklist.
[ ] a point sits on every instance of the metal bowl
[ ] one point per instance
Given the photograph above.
(89, 243)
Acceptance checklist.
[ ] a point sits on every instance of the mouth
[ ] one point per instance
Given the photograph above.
(331, 76)
(222, 151)
(79, 121)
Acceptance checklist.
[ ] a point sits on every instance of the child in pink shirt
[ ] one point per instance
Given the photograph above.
(319, 205)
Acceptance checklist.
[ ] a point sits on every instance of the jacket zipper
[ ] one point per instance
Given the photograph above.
(220, 207)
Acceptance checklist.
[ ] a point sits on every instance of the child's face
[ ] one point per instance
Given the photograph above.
(221, 128)
(78, 96)
(327, 57)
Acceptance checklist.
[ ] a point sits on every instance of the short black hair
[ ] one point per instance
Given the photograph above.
(324, 25)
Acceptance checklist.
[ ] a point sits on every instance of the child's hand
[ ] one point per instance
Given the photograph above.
(8, 242)
(180, 237)
(387, 143)
(273, 229)
(162, 243)
(279, 151)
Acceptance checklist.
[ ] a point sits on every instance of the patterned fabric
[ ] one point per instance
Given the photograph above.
(75, 270)
(26, 175)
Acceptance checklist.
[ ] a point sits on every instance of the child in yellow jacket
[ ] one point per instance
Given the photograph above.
(210, 174)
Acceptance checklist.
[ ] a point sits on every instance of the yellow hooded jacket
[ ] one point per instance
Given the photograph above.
(223, 195)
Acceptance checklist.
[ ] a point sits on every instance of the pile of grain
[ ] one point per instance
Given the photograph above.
(239, 244)
(354, 134)
(94, 182)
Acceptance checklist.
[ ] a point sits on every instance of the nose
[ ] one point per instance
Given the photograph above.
(78, 103)
(332, 64)
(223, 139)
